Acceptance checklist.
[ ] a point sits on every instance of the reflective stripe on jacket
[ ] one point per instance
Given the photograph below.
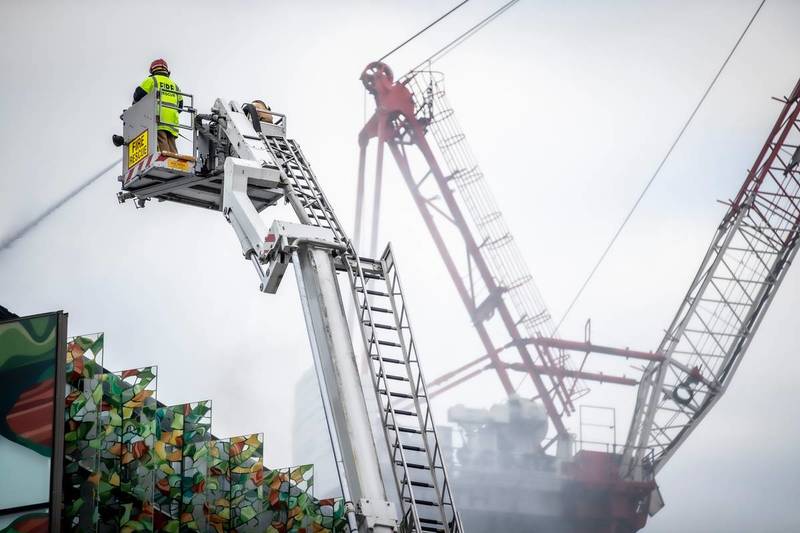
(169, 90)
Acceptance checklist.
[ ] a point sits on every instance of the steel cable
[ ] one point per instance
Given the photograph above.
(423, 30)
(657, 171)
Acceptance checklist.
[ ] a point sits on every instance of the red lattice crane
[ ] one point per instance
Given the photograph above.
(753, 246)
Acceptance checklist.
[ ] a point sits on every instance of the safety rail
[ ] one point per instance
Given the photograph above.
(180, 109)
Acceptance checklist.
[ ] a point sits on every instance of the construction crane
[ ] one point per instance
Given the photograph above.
(243, 163)
(612, 489)
(493, 281)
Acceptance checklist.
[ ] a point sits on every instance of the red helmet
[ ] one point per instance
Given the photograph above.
(159, 65)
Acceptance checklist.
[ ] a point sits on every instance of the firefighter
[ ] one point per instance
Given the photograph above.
(258, 112)
(168, 117)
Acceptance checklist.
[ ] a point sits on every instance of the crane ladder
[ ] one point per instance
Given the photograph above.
(421, 481)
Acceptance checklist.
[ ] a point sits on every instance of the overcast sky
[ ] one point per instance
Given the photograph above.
(568, 106)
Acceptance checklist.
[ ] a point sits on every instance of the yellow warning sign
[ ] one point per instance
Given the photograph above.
(138, 149)
(178, 164)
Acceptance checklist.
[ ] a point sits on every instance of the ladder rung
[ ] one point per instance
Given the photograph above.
(410, 447)
(395, 377)
(371, 292)
(391, 360)
(422, 502)
(430, 521)
(379, 326)
(422, 484)
(389, 343)
(404, 429)
(378, 309)
(418, 466)
(396, 394)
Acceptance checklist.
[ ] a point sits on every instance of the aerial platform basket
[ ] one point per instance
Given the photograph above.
(196, 179)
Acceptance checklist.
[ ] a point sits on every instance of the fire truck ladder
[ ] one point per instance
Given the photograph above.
(735, 284)
(418, 465)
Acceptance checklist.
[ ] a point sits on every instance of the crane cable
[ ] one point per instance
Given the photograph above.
(47, 212)
(452, 45)
(423, 30)
(657, 171)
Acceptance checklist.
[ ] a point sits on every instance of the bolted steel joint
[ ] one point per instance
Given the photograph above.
(377, 513)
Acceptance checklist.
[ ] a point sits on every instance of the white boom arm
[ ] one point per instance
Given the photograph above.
(310, 249)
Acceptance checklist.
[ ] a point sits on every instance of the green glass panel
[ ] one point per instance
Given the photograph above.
(84, 393)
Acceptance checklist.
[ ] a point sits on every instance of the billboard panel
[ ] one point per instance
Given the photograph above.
(32, 354)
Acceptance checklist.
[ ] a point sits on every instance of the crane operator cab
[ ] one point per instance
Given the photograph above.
(195, 178)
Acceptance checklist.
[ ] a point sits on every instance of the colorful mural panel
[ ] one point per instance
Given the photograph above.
(127, 476)
(131, 464)
(32, 377)
(196, 435)
(84, 396)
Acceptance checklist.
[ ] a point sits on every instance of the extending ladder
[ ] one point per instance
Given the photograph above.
(423, 489)
(420, 475)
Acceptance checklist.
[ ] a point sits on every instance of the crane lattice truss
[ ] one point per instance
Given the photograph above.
(716, 321)
(492, 280)
(734, 286)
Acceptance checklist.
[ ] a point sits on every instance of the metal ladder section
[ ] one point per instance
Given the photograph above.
(295, 167)
(420, 474)
(424, 491)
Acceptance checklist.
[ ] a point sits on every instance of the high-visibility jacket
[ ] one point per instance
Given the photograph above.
(169, 89)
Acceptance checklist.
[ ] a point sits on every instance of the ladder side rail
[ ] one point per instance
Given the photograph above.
(414, 375)
(764, 226)
(370, 337)
(417, 378)
(280, 151)
(305, 168)
(278, 148)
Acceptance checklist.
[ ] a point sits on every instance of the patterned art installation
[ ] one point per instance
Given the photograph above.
(134, 464)
(82, 406)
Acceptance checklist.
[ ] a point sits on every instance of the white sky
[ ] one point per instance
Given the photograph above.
(569, 106)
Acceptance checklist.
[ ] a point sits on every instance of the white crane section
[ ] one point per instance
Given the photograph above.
(737, 280)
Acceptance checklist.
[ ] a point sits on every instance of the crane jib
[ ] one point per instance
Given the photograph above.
(726, 302)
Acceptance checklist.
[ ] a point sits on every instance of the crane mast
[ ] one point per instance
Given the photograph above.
(732, 290)
(243, 164)
(493, 280)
